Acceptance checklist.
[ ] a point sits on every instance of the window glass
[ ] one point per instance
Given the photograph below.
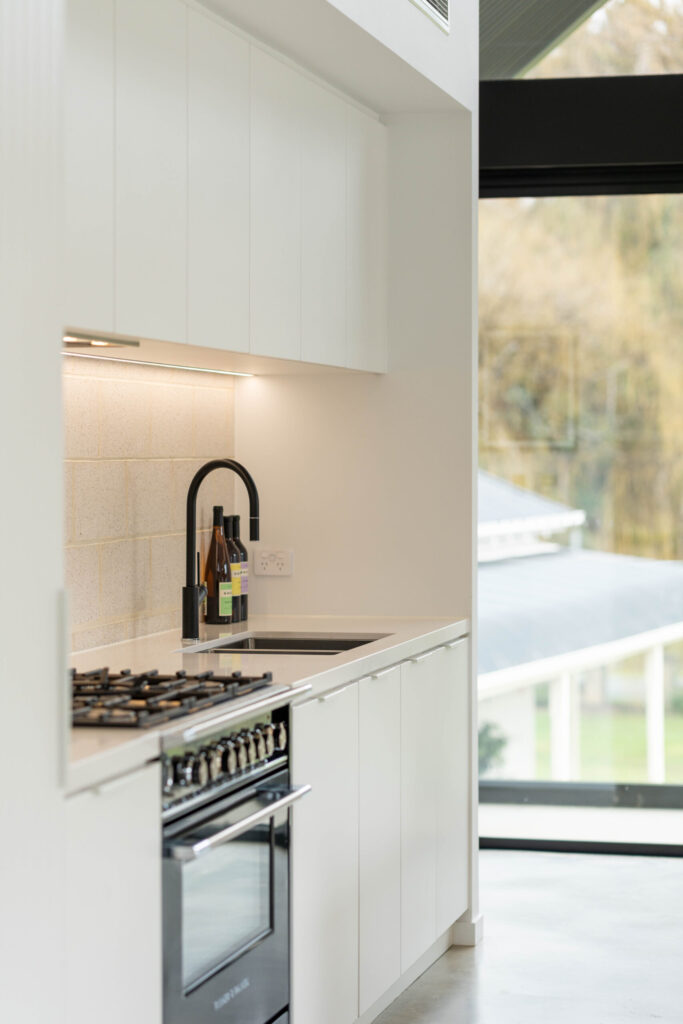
(623, 37)
(581, 489)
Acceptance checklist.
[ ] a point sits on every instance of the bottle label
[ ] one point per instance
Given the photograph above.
(236, 573)
(224, 599)
(245, 577)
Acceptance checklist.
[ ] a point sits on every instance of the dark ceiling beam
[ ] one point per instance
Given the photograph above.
(563, 136)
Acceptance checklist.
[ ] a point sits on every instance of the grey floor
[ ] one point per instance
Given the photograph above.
(569, 939)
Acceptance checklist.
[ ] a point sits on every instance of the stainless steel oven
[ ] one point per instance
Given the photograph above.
(226, 842)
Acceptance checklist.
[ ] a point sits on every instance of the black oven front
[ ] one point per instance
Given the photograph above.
(226, 899)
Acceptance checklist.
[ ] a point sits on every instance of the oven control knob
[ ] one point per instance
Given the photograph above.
(242, 753)
(260, 741)
(200, 769)
(214, 756)
(281, 736)
(168, 774)
(269, 739)
(183, 770)
(250, 742)
(229, 763)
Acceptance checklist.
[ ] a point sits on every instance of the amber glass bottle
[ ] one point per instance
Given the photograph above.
(218, 578)
(244, 579)
(235, 558)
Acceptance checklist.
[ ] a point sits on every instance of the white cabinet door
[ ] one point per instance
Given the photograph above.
(323, 227)
(379, 726)
(276, 114)
(418, 809)
(325, 860)
(451, 666)
(366, 243)
(151, 168)
(113, 882)
(434, 795)
(218, 186)
(89, 165)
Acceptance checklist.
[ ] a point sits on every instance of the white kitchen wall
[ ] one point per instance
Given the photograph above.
(134, 438)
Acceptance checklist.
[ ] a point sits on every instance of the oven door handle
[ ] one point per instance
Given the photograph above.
(185, 852)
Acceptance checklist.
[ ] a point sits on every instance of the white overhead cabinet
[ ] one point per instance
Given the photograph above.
(366, 264)
(151, 169)
(218, 185)
(89, 164)
(380, 847)
(323, 228)
(217, 195)
(113, 899)
(277, 99)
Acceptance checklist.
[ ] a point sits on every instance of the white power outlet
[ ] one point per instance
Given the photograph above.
(273, 562)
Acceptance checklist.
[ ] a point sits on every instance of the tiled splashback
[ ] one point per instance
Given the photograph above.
(135, 436)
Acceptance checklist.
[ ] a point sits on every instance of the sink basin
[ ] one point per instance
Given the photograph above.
(296, 643)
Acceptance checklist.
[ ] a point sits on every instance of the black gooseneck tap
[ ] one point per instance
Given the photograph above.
(194, 593)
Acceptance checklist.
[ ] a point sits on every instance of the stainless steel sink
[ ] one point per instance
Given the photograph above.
(295, 643)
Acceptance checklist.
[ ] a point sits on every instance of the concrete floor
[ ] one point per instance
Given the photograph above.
(568, 939)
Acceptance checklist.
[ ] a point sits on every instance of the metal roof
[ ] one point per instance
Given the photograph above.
(539, 607)
(515, 34)
(501, 501)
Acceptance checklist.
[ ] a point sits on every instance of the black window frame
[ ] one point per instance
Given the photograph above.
(569, 137)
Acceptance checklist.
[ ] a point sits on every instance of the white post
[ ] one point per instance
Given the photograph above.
(654, 713)
(560, 706)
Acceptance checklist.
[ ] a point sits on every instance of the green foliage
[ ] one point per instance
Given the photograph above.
(492, 743)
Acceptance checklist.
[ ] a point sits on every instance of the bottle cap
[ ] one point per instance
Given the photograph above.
(235, 526)
(217, 515)
(228, 527)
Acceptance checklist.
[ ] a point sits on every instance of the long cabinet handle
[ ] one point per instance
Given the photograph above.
(428, 654)
(382, 672)
(334, 693)
(456, 643)
(184, 853)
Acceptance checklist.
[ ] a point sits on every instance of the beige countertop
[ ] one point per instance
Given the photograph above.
(98, 754)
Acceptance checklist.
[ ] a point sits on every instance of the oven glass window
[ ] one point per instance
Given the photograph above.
(226, 900)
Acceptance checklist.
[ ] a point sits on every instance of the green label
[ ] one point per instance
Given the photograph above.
(224, 599)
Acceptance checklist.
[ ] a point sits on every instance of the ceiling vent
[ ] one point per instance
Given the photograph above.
(437, 10)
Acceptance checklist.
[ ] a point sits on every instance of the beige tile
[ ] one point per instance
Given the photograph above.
(68, 502)
(80, 418)
(125, 578)
(124, 419)
(171, 415)
(99, 500)
(214, 428)
(168, 571)
(148, 624)
(183, 470)
(151, 497)
(97, 636)
(82, 575)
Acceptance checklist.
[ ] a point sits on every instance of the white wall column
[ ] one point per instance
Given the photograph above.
(562, 716)
(654, 713)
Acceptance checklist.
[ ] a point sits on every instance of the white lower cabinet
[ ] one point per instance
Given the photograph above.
(379, 729)
(380, 846)
(325, 860)
(113, 888)
(434, 788)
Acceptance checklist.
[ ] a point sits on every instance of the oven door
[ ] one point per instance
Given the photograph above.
(226, 910)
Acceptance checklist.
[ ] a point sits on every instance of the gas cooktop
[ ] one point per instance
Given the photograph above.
(145, 699)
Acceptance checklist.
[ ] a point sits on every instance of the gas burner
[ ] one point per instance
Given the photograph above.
(145, 699)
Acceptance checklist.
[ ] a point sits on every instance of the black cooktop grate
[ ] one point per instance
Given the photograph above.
(145, 699)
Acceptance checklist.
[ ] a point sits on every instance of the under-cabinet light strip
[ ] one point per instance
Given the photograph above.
(165, 366)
